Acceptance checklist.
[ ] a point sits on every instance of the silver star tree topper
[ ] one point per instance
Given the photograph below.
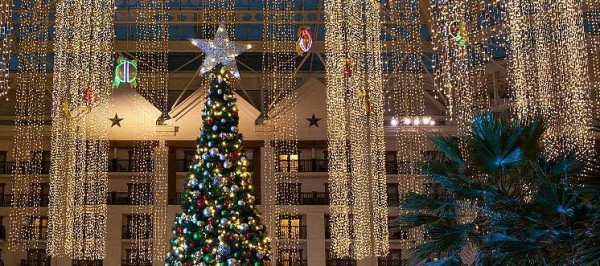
(220, 50)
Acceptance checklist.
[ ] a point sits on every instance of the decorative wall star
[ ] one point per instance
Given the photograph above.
(314, 121)
(116, 121)
(220, 50)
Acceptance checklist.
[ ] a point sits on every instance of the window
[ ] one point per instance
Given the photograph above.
(37, 257)
(290, 227)
(393, 195)
(2, 156)
(38, 228)
(288, 163)
(394, 258)
(395, 233)
(137, 226)
(290, 257)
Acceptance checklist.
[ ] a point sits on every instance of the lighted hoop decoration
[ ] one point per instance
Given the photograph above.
(458, 31)
(305, 40)
(126, 72)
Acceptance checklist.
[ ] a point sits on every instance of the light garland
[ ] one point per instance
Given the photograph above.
(29, 121)
(549, 71)
(461, 30)
(78, 176)
(279, 99)
(5, 43)
(357, 93)
(148, 226)
(406, 101)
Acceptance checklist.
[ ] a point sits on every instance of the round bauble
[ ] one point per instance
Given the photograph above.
(211, 144)
(214, 151)
(223, 221)
(219, 91)
(215, 128)
(235, 189)
(208, 258)
(222, 157)
(227, 164)
(223, 250)
(233, 129)
(207, 212)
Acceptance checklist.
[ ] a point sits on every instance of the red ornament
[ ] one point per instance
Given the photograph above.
(187, 263)
(179, 230)
(200, 204)
(233, 155)
(209, 121)
(231, 238)
(347, 71)
(88, 97)
(207, 248)
(192, 244)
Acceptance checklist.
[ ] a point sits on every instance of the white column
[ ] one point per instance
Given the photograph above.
(315, 239)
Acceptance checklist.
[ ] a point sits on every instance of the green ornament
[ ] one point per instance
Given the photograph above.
(208, 258)
(257, 263)
(196, 236)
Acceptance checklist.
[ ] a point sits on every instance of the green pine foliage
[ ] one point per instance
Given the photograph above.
(219, 224)
(528, 209)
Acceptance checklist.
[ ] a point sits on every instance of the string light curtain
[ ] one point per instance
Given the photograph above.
(461, 31)
(31, 42)
(279, 101)
(5, 42)
(406, 100)
(78, 174)
(148, 224)
(549, 70)
(355, 129)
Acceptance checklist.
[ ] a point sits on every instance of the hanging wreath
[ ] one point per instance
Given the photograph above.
(459, 33)
(126, 72)
(305, 40)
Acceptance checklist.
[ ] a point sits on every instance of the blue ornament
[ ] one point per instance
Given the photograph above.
(235, 188)
(223, 250)
(205, 156)
(227, 164)
(220, 91)
(214, 151)
(215, 128)
(223, 221)
(210, 144)
(223, 120)
(216, 181)
(233, 129)
(207, 212)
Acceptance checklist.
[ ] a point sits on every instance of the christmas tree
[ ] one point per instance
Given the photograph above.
(219, 224)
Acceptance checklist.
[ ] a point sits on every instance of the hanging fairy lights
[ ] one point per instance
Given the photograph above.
(148, 225)
(549, 70)
(355, 129)
(5, 42)
(30, 108)
(279, 99)
(78, 175)
(461, 35)
(406, 101)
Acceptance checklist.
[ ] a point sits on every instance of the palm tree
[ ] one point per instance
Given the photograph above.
(504, 201)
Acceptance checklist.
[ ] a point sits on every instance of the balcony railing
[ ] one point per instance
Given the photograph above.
(45, 262)
(128, 165)
(86, 263)
(393, 200)
(183, 165)
(7, 168)
(391, 262)
(312, 165)
(123, 198)
(135, 263)
(127, 233)
(341, 262)
(6, 200)
(314, 198)
(291, 263)
(292, 232)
